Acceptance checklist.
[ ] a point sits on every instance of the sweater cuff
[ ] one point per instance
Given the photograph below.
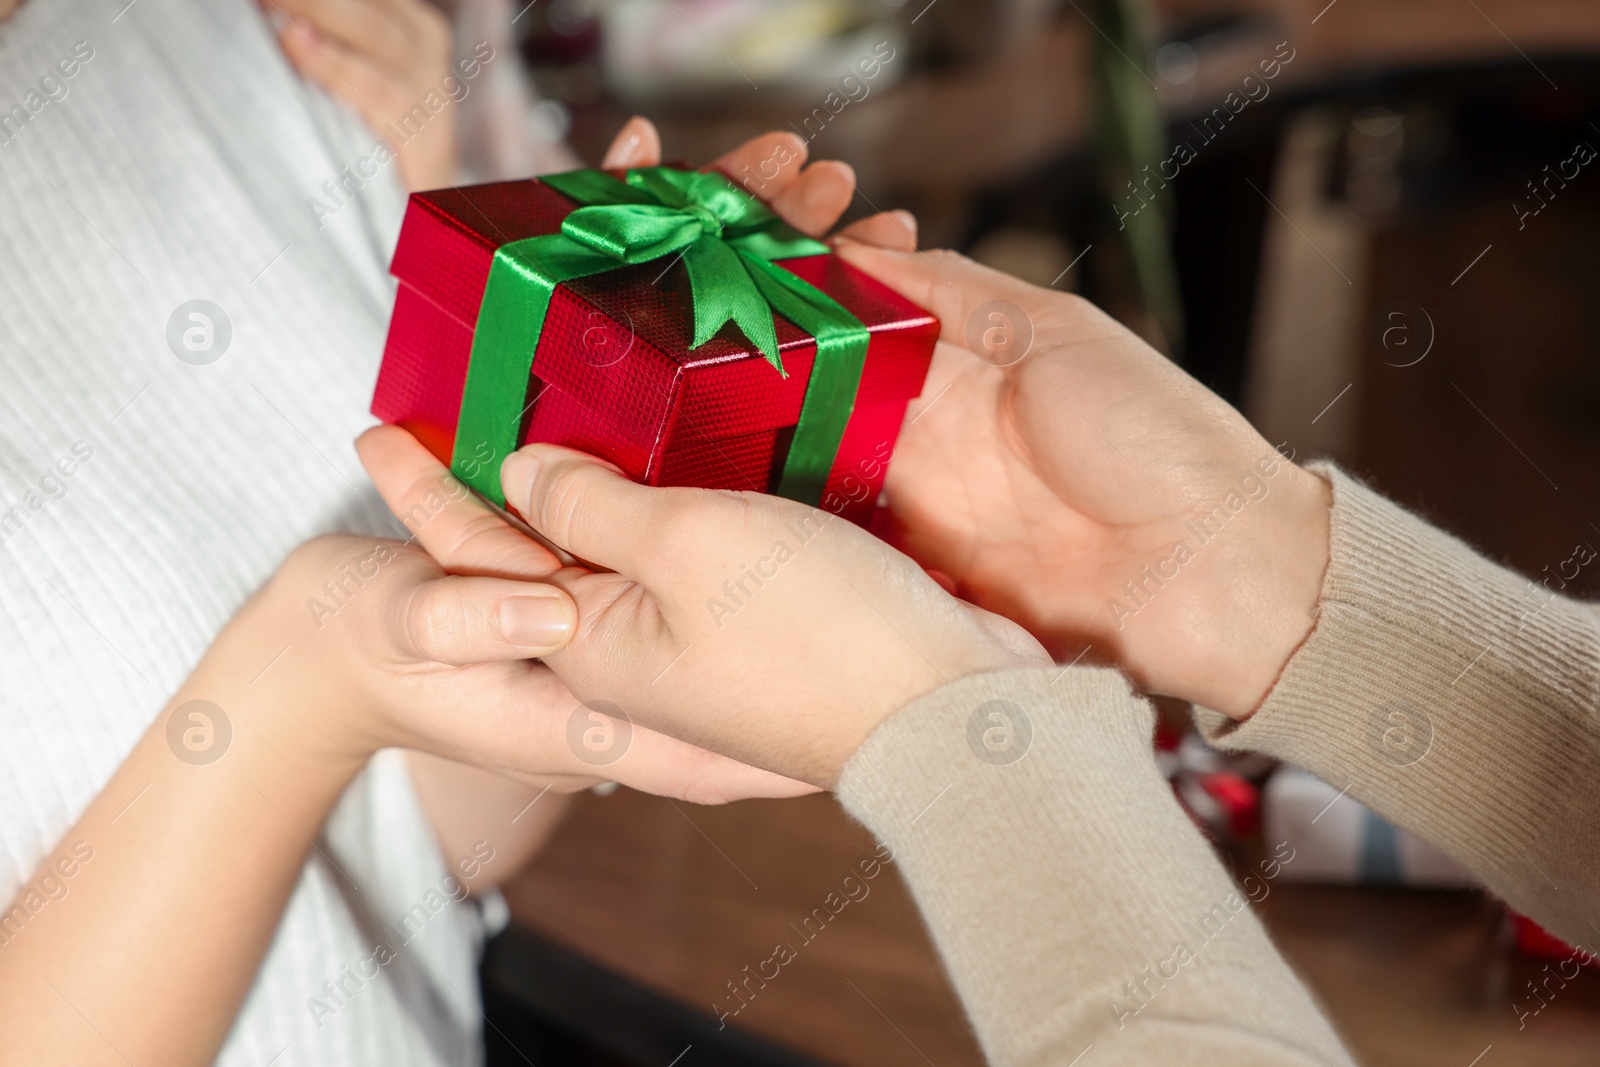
(976, 732)
(1453, 695)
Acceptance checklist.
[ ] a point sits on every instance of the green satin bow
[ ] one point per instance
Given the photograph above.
(727, 240)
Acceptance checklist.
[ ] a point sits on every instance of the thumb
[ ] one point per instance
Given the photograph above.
(981, 310)
(590, 508)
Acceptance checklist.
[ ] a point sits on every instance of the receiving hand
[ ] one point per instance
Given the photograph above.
(1095, 493)
(386, 649)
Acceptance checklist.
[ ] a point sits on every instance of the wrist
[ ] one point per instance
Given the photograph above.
(1299, 565)
(258, 705)
(1270, 590)
(303, 697)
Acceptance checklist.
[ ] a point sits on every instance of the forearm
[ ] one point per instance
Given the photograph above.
(1454, 697)
(470, 807)
(1072, 900)
(179, 872)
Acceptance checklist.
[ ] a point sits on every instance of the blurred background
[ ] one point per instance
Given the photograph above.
(1370, 224)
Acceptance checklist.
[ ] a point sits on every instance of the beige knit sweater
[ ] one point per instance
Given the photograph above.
(1077, 907)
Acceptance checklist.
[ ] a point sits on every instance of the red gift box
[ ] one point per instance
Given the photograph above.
(614, 374)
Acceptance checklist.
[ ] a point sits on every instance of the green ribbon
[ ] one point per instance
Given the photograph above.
(727, 240)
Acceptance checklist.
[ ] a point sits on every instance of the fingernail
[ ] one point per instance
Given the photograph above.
(799, 149)
(517, 475)
(534, 622)
(823, 196)
(906, 221)
(625, 149)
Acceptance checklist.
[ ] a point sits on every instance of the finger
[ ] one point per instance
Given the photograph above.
(952, 287)
(637, 144)
(766, 165)
(590, 508)
(663, 765)
(889, 229)
(813, 202)
(457, 529)
(354, 25)
(482, 620)
(595, 738)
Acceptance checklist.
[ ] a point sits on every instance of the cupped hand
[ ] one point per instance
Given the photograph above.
(771, 167)
(389, 60)
(770, 631)
(1092, 491)
(386, 648)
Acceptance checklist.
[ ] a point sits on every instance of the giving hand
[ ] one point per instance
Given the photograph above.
(1092, 491)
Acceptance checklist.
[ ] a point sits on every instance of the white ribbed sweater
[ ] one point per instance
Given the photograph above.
(177, 165)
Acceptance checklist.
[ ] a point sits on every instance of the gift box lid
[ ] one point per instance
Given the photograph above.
(658, 392)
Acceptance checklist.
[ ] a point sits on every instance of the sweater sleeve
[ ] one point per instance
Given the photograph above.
(1455, 698)
(1073, 902)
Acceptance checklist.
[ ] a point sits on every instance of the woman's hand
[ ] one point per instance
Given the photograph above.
(809, 198)
(758, 627)
(384, 648)
(384, 58)
(1093, 492)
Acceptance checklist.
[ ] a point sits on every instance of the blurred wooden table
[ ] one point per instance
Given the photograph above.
(1429, 979)
(681, 899)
